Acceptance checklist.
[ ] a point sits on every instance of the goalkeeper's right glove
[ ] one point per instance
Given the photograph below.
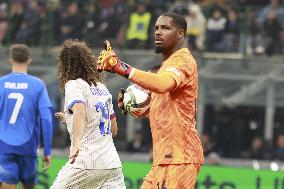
(120, 101)
(109, 61)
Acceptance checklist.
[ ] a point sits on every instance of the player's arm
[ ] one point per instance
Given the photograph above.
(114, 127)
(75, 104)
(45, 112)
(47, 130)
(79, 124)
(158, 83)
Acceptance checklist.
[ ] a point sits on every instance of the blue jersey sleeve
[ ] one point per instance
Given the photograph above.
(44, 100)
(47, 130)
(44, 105)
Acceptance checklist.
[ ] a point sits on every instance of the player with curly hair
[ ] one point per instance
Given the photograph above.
(91, 122)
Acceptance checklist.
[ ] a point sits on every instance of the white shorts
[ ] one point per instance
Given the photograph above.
(74, 178)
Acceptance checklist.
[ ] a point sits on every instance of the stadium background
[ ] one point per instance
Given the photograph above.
(241, 93)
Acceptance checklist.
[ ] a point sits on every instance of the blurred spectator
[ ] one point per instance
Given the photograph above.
(137, 34)
(157, 7)
(207, 144)
(269, 15)
(272, 30)
(109, 16)
(230, 38)
(179, 7)
(266, 39)
(215, 30)
(279, 149)
(3, 21)
(17, 14)
(274, 5)
(225, 135)
(195, 27)
(137, 145)
(71, 23)
(278, 121)
(53, 21)
(92, 23)
(122, 11)
(209, 6)
(254, 124)
(29, 31)
(257, 149)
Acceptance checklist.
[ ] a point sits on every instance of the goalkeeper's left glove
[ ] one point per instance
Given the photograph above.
(120, 101)
(109, 61)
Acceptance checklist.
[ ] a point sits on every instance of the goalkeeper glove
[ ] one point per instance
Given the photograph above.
(109, 61)
(120, 101)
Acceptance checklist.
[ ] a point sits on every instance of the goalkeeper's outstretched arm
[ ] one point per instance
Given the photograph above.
(158, 83)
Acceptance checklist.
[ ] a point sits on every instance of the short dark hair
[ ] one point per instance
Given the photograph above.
(20, 53)
(178, 20)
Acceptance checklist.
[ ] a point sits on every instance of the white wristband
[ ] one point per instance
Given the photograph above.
(131, 73)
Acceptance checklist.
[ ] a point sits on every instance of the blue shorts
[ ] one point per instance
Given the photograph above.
(15, 168)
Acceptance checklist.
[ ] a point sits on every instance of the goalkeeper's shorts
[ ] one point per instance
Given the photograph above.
(171, 176)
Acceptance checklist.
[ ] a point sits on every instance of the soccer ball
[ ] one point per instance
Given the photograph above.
(137, 100)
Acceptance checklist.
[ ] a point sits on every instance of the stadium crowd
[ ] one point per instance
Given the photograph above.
(214, 25)
(239, 133)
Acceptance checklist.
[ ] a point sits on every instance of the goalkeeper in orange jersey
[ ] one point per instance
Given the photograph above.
(177, 150)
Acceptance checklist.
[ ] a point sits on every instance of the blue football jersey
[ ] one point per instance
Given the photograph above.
(22, 97)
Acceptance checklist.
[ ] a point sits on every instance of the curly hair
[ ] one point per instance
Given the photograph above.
(76, 60)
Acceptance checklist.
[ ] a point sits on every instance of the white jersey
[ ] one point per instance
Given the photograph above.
(97, 150)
